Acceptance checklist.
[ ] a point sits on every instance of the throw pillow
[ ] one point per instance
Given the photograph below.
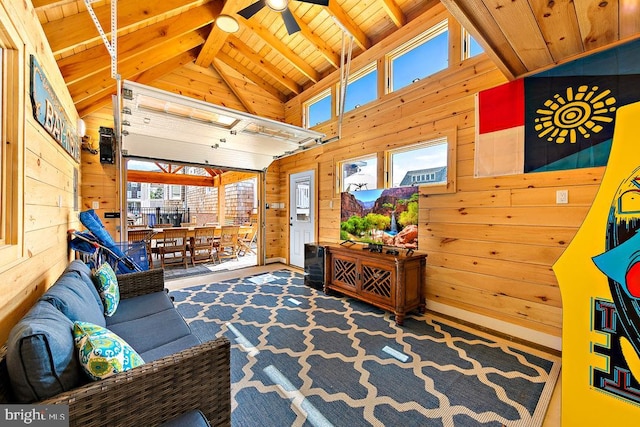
(101, 352)
(107, 284)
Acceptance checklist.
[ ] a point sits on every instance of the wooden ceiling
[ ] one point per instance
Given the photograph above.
(525, 36)
(174, 45)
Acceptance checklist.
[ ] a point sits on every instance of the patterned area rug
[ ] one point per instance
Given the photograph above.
(300, 357)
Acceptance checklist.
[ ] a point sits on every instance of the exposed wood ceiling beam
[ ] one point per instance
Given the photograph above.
(537, 54)
(473, 16)
(213, 172)
(103, 98)
(282, 48)
(256, 79)
(245, 103)
(96, 59)
(170, 178)
(135, 64)
(394, 12)
(217, 37)
(360, 38)
(43, 3)
(237, 45)
(75, 30)
(319, 43)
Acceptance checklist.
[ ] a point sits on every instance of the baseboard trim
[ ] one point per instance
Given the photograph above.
(275, 260)
(520, 332)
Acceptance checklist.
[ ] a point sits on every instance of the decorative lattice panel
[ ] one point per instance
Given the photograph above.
(376, 281)
(345, 271)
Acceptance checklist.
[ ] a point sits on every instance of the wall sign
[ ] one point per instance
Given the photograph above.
(48, 111)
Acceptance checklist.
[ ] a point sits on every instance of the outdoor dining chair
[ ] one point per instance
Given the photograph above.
(142, 235)
(201, 245)
(228, 243)
(174, 249)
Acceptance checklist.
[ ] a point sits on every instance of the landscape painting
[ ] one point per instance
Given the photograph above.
(386, 216)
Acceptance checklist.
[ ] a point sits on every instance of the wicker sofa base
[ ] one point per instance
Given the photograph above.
(196, 378)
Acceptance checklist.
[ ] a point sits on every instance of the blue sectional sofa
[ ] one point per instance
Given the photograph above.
(39, 364)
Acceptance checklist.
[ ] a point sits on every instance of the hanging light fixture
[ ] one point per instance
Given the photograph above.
(277, 5)
(227, 23)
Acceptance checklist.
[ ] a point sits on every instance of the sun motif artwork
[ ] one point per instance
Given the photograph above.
(578, 111)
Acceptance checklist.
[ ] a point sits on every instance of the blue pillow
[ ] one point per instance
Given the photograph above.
(101, 352)
(75, 299)
(84, 271)
(41, 356)
(107, 284)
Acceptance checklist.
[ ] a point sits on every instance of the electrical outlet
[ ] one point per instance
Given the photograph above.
(95, 205)
(562, 197)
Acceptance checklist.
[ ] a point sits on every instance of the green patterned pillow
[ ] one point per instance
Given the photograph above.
(101, 352)
(107, 284)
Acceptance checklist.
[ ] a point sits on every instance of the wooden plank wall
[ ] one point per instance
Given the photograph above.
(491, 244)
(100, 181)
(48, 186)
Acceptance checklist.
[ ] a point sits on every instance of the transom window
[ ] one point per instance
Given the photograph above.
(318, 109)
(362, 88)
(429, 164)
(420, 57)
(471, 46)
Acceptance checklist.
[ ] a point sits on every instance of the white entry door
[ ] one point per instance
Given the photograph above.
(302, 221)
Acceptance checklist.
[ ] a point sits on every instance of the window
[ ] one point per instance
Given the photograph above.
(424, 55)
(134, 190)
(12, 69)
(358, 174)
(429, 164)
(471, 46)
(175, 192)
(362, 88)
(318, 109)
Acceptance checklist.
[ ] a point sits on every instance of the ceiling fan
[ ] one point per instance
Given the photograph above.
(281, 6)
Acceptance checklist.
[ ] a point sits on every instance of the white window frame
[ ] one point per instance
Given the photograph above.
(172, 195)
(12, 75)
(450, 138)
(340, 164)
(311, 101)
(466, 45)
(421, 39)
(364, 71)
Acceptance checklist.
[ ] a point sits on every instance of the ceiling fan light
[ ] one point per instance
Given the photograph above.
(227, 23)
(277, 5)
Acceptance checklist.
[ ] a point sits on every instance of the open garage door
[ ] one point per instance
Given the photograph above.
(161, 125)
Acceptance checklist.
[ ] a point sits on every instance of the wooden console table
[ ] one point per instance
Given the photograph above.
(391, 282)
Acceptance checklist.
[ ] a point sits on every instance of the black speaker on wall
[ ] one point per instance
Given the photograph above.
(107, 145)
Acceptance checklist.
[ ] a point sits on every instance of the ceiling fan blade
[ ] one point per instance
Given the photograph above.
(290, 22)
(320, 2)
(252, 9)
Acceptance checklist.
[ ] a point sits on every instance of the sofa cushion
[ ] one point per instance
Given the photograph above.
(74, 298)
(170, 348)
(140, 306)
(101, 352)
(152, 331)
(193, 418)
(107, 285)
(41, 355)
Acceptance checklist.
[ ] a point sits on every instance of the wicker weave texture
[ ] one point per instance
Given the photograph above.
(195, 378)
(141, 283)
